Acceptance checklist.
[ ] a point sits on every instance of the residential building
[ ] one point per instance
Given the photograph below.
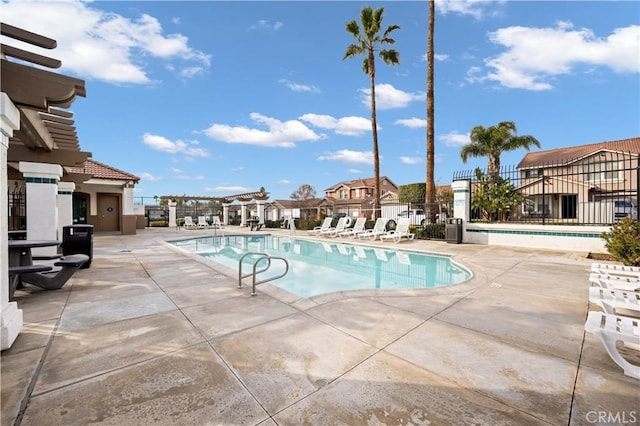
(355, 197)
(594, 183)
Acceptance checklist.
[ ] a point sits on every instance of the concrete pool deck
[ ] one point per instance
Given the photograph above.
(150, 335)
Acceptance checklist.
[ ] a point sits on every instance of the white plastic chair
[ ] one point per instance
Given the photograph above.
(401, 231)
(188, 222)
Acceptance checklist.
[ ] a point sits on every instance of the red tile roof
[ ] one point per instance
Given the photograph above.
(102, 171)
(561, 156)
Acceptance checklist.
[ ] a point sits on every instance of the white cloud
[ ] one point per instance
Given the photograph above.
(454, 139)
(349, 126)
(264, 24)
(354, 171)
(410, 160)
(474, 8)
(100, 45)
(191, 72)
(412, 122)
(284, 182)
(160, 143)
(348, 156)
(535, 55)
(283, 134)
(297, 87)
(149, 177)
(237, 169)
(437, 57)
(388, 97)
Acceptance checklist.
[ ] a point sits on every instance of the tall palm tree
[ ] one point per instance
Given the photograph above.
(367, 42)
(492, 141)
(430, 189)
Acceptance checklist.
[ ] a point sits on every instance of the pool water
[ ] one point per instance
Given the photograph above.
(325, 267)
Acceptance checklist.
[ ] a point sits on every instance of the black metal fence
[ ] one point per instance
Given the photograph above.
(17, 214)
(598, 189)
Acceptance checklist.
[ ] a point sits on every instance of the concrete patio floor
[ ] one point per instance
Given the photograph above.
(149, 335)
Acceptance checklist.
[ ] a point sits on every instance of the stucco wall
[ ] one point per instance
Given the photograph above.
(554, 237)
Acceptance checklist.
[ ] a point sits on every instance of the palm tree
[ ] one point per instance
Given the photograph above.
(367, 43)
(492, 141)
(430, 189)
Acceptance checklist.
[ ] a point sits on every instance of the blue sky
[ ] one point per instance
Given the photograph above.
(213, 98)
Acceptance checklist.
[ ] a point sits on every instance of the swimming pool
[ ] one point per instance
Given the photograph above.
(324, 267)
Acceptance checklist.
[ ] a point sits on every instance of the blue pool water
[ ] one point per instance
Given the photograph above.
(324, 267)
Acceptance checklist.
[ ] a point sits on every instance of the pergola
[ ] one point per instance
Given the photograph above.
(38, 140)
(258, 196)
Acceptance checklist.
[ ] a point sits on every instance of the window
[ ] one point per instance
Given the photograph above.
(343, 194)
(606, 170)
(536, 204)
(533, 173)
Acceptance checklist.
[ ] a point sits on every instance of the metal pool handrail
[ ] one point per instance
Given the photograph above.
(255, 272)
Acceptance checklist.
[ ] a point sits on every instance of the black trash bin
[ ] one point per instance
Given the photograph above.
(453, 230)
(78, 239)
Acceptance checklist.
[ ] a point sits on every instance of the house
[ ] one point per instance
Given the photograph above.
(586, 183)
(310, 208)
(355, 197)
(103, 197)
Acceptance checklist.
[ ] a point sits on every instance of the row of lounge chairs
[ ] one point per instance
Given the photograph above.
(379, 230)
(202, 222)
(616, 291)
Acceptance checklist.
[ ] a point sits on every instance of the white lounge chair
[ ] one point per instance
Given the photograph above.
(614, 328)
(379, 228)
(342, 224)
(215, 222)
(188, 222)
(401, 231)
(615, 301)
(616, 270)
(326, 224)
(358, 227)
(202, 222)
(615, 282)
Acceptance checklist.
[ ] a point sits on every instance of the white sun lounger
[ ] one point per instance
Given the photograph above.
(616, 270)
(379, 228)
(613, 301)
(615, 282)
(342, 224)
(614, 328)
(326, 224)
(358, 227)
(401, 231)
(202, 222)
(188, 222)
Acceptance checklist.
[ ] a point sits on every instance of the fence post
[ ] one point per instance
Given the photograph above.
(172, 214)
(461, 199)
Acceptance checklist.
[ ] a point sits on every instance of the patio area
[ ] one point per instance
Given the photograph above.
(149, 335)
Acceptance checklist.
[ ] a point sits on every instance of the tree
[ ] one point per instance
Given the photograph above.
(411, 193)
(492, 141)
(304, 192)
(367, 43)
(623, 242)
(496, 198)
(430, 182)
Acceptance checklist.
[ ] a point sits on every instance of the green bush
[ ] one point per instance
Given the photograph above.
(623, 242)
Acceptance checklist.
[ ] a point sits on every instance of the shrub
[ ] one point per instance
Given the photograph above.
(623, 242)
